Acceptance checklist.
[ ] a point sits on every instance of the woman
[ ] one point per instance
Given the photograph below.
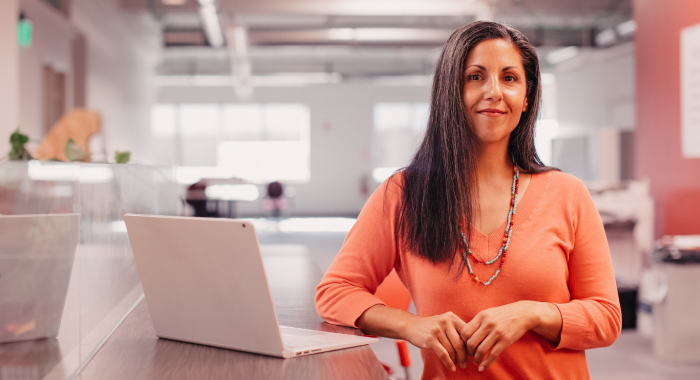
(505, 259)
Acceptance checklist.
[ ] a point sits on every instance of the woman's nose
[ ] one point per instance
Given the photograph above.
(492, 90)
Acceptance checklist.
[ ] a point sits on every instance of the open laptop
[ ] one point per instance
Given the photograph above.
(205, 283)
(36, 261)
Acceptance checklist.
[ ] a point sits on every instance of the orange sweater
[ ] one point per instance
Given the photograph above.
(558, 253)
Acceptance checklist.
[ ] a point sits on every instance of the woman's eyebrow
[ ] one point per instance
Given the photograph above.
(484, 68)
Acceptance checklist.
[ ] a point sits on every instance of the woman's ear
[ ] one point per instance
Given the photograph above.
(525, 105)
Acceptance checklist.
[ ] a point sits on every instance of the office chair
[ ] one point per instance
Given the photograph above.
(275, 200)
(394, 294)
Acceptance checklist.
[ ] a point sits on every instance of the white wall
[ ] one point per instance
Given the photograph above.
(122, 52)
(341, 137)
(596, 91)
(597, 88)
(9, 90)
(51, 45)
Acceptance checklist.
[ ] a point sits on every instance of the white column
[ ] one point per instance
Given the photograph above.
(9, 72)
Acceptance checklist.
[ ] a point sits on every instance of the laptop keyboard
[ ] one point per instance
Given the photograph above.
(296, 342)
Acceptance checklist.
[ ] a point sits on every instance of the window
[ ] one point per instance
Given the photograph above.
(398, 130)
(266, 142)
(258, 142)
(199, 120)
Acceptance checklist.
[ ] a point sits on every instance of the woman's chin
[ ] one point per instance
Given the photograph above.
(493, 138)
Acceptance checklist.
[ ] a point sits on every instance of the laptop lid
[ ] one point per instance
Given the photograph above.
(36, 260)
(204, 282)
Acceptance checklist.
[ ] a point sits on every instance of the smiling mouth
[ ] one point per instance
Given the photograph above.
(491, 112)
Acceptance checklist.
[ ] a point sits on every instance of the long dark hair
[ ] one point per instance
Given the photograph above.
(440, 182)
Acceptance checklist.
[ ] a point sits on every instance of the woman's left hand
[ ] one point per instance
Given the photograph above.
(493, 330)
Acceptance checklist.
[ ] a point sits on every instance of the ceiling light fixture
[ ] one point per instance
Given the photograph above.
(210, 19)
(173, 2)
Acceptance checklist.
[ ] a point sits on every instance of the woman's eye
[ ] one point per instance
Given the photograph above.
(510, 78)
(474, 77)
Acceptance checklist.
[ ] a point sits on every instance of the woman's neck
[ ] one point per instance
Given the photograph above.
(493, 163)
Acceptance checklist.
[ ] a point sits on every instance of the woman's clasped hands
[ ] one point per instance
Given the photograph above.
(484, 338)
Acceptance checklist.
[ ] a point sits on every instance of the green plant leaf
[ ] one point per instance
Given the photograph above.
(73, 151)
(18, 150)
(122, 157)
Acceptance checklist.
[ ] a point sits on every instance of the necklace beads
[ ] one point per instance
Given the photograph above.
(506, 236)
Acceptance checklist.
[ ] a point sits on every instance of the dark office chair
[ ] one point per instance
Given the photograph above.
(197, 198)
(275, 199)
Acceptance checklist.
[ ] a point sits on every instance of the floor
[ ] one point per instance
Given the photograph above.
(630, 357)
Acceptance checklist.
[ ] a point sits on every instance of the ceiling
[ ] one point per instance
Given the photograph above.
(359, 39)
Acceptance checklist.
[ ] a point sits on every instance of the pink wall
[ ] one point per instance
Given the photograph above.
(675, 181)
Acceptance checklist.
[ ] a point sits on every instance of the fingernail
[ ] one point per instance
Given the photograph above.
(453, 368)
(463, 365)
(481, 368)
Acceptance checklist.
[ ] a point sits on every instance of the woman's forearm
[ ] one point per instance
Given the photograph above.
(392, 323)
(439, 333)
(385, 321)
(548, 322)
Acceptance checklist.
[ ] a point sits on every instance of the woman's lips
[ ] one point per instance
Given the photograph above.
(491, 112)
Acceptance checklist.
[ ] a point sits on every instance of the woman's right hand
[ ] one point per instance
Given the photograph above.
(440, 333)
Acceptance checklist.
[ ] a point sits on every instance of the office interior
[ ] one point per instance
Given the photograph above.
(290, 114)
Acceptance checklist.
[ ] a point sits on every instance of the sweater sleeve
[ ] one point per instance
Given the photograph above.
(368, 255)
(592, 318)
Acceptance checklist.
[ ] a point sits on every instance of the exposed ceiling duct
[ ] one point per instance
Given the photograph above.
(237, 37)
(352, 40)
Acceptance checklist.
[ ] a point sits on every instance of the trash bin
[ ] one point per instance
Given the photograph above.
(676, 311)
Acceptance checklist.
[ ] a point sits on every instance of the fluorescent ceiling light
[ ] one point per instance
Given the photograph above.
(210, 19)
(173, 2)
(606, 37)
(626, 28)
(562, 55)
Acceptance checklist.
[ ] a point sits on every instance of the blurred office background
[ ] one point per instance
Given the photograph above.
(292, 112)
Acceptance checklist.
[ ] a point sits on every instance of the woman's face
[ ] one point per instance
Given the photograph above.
(495, 89)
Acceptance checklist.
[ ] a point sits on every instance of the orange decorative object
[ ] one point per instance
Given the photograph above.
(394, 294)
(78, 124)
(404, 356)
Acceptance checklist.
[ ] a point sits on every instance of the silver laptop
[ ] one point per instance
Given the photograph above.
(36, 261)
(205, 283)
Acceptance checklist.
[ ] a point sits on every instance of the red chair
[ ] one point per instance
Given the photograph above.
(394, 294)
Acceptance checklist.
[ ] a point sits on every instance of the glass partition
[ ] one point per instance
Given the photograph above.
(47, 208)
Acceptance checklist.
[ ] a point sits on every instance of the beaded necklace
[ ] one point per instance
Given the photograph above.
(506, 236)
